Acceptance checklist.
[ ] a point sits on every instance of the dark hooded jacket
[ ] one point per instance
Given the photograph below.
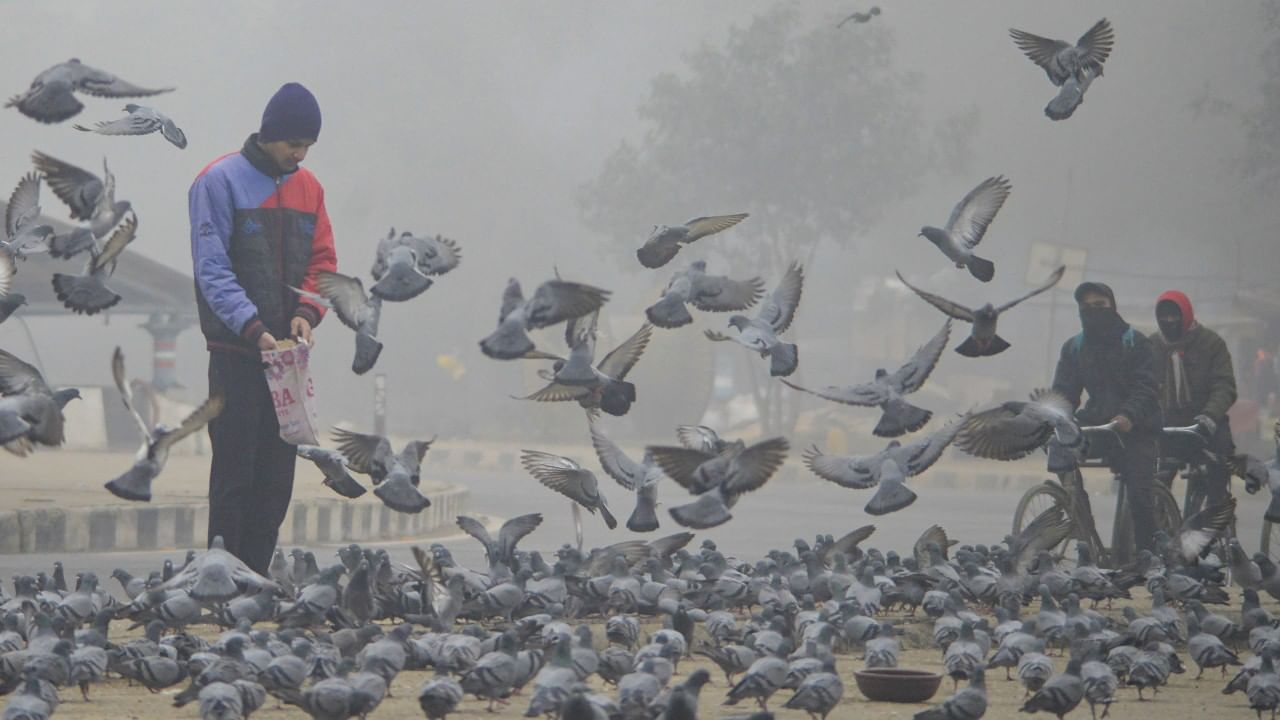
(1118, 375)
(1208, 380)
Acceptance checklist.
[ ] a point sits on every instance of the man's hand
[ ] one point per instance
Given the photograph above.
(300, 329)
(1123, 424)
(266, 341)
(1204, 421)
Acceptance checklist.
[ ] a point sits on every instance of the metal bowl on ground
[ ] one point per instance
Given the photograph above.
(897, 684)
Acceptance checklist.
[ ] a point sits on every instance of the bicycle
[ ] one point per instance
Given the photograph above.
(1068, 493)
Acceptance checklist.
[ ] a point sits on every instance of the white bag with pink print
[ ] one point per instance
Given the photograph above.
(289, 380)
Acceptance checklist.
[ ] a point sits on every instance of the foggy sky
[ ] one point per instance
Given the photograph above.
(481, 120)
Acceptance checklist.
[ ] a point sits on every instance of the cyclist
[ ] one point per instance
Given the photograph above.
(1113, 363)
(1197, 381)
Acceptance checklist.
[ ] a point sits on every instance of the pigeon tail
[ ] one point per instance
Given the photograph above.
(981, 268)
(133, 485)
(609, 519)
(669, 312)
(402, 282)
(784, 358)
(367, 351)
(617, 397)
(397, 493)
(655, 255)
(973, 347)
(900, 417)
(644, 518)
(85, 294)
(892, 495)
(12, 427)
(508, 342)
(346, 486)
(1070, 97)
(73, 243)
(707, 511)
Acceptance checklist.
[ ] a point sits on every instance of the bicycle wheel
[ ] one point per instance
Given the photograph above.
(1122, 530)
(1035, 501)
(1168, 518)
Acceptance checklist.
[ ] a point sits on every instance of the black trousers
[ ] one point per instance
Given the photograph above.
(251, 478)
(1136, 466)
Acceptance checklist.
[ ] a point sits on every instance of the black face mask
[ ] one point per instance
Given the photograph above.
(1171, 328)
(1101, 324)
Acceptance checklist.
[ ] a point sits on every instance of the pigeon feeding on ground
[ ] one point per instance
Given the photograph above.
(88, 294)
(135, 484)
(567, 477)
(141, 120)
(555, 301)
(395, 476)
(346, 297)
(1070, 67)
(90, 198)
(983, 340)
(1015, 429)
(334, 466)
(760, 333)
(968, 223)
(30, 411)
(639, 477)
(709, 293)
(404, 262)
(717, 476)
(665, 240)
(50, 98)
(23, 235)
(899, 416)
(887, 470)
(603, 386)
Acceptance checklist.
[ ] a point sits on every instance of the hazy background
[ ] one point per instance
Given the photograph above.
(485, 121)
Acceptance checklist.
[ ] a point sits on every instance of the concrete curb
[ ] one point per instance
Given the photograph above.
(156, 527)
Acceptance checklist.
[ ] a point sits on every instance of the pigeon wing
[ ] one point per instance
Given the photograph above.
(380, 255)
(698, 437)
(346, 295)
(438, 255)
(127, 125)
(719, 293)
(558, 300)
(679, 463)
(753, 468)
(865, 395)
(512, 298)
(75, 186)
(24, 204)
(476, 529)
(555, 392)
(1003, 433)
(951, 309)
(101, 83)
(970, 219)
(18, 377)
(116, 244)
(779, 309)
(922, 454)
(201, 416)
(1199, 530)
(912, 375)
(933, 534)
(413, 452)
(1045, 532)
(627, 472)
(126, 392)
(555, 472)
(845, 470)
(1041, 50)
(8, 268)
(514, 530)
(621, 359)
(704, 226)
(1046, 285)
(363, 452)
(1096, 44)
(848, 542)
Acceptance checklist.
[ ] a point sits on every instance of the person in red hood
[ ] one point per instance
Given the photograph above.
(1197, 380)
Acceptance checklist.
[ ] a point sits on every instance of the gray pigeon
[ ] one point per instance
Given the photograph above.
(819, 693)
(88, 294)
(336, 698)
(23, 234)
(30, 411)
(860, 17)
(641, 478)
(665, 240)
(760, 333)
(403, 264)
(503, 550)
(90, 198)
(968, 223)
(135, 484)
(1015, 429)
(1207, 651)
(50, 98)
(761, 681)
(983, 340)
(718, 479)
(334, 466)
(439, 696)
(555, 301)
(709, 293)
(603, 386)
(570, 479)
(899, 417)
(216, 575)
(887, 469)
(141, 120)
(395, 476)
(221, 701)
(494, 674)
(355, 309)
(968, 704)
(1070, 67)
(1060, 695)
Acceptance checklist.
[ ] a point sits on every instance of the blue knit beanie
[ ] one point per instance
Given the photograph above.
(291, 114)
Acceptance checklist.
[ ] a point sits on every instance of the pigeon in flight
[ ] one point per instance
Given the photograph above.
(10, 301)
(570, 479)
(216, 575)
(30, 411)
(346, 297)
(88, 293)
(1070, 67)
(860, 17)
(887, 470)
(334, 466)
(395, 476)
(23, 234)
(968, 223)
(404, 262)
(503, 550)
(718, 479)
(774, 317)
(639, 477)
(709, 293)
(1015, 429)
(135, 484)
(50, 98)
(555, 301)
(141, 120)
(899, 416)
(601, 387)
(90, 198)
(665, 240)
(983, 340)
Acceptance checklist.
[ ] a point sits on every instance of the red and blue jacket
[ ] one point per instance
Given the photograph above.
(254, 233)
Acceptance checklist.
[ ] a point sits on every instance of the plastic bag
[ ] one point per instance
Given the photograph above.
(288, 370)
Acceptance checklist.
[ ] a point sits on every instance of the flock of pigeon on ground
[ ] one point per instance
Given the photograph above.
(521, 624)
